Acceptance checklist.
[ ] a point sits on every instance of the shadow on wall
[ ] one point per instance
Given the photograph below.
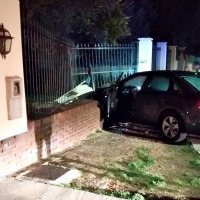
(43, 132)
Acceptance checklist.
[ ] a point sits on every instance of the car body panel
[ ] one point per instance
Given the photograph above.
(147, 105)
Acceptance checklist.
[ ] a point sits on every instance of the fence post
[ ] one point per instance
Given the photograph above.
(162, 62)
(145, 54)
(173, 62)
(181, 60)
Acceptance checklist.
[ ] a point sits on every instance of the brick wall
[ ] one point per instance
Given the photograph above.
(48, 136)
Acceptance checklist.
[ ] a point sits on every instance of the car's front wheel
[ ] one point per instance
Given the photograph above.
(172, 126)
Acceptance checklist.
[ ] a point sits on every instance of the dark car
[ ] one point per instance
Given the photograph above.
(169, 100)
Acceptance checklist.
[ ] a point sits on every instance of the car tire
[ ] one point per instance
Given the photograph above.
(171, 125)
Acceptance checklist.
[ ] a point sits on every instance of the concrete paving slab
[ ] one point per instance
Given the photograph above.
(12, 189)
(195, 144)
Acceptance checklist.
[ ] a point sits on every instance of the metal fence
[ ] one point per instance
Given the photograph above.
(53, 66)
(106, 62)
(47, 64)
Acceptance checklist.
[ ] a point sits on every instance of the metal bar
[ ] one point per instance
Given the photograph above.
(99, 48)
(111, 63)
(95, 67)
(24, 41)
(63, 74)
(107, 63)
(60, 72)
(31, 65)
(35, 58)
(82, 62)
(127, 61)
(38, 68)
(45, 65)
(121, 59)
(98, 64)
(118, 64)
(48, 68)
(51, 70)
(48, 34)
(103, 72)
(70, 64)
(56, 68)
(79, 65)
(103, 64)
(40, 64)
(92, 69)
(86, 62)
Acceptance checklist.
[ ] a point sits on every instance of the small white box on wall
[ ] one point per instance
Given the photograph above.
(14, 97)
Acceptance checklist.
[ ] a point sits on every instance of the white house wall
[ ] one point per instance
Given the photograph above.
(12, 66)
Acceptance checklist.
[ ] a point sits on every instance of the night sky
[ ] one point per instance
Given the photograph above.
(176, 21)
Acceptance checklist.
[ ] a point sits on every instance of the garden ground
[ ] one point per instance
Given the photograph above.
(121, 165)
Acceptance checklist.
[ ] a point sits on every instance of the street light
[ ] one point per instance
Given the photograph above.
(5, 41)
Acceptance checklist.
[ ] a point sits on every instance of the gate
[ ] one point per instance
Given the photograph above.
(104, 62)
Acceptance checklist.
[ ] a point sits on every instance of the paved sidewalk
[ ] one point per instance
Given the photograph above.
(12, 189)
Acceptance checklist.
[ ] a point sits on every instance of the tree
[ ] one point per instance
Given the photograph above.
(81, 18)
(141, 15)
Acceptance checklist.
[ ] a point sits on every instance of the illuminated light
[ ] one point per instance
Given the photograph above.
(198, 104)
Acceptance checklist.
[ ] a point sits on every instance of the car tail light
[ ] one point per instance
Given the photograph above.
(198, 104)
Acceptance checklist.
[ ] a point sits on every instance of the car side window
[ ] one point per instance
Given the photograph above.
(137, 81)
(163, 84)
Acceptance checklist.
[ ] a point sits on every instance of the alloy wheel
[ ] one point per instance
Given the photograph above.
(170, 127)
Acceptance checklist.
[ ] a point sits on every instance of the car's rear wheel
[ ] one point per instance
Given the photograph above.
(171, 126)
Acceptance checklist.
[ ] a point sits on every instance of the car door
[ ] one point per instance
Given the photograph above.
(158, 93)
(112, 98)
(126, 94)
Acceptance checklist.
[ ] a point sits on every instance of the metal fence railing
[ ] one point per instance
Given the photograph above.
(47, 65)
(53, 66)
(106, 62)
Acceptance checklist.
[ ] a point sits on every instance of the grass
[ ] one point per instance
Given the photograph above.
(94, 134)
(134, 170)
(196, 182)
(195, 162)
(143, 166)
(122, 166)
(123, 194)
(144, 159)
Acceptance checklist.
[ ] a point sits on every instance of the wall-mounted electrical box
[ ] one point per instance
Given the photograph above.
(14, 97)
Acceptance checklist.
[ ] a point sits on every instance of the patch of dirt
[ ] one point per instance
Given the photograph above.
(123, 163)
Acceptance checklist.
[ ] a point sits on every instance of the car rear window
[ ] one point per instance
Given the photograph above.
(194, 81)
